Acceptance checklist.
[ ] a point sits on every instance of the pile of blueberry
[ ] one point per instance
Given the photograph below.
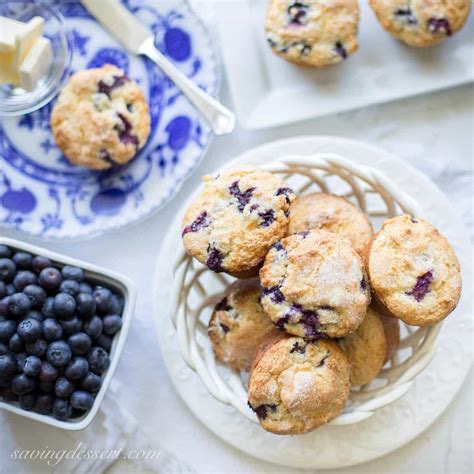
(56, 331)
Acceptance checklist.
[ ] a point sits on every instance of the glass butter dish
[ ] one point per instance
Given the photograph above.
(15, 100)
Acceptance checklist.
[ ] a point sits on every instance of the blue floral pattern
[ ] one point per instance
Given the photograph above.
(42, 194)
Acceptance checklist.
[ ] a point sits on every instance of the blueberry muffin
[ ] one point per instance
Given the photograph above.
(296, 385)
(238, 325)
(421, 23)
(332, 213)
(413, 271)
(101, 118)
(232, 224)
(313, 33)
(366, 349)
(391, 327)
(314, 285)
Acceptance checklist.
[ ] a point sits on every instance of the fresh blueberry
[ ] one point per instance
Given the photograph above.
(80, 343)
(52, 330)
(29, 330)
(23, 260)
(105, 342)
(3, 349)
(3, 309)
(44, 403)
(77, 368)
(16, 344)
(58, 353)
(7, 269)
(71, 287)
(40, 263)
(93, 327)
(48, 308)
(7, 329)
(116, 304)
(85, 288)
(82, 400)
(50, 278)
(5, 252)
(34, 315)
(36, 294)
(20, 361)
(46, 387)
(63, 387)
(27, 401)
(3, 290)
(112, 324)
(37, 348)
(22, 384)
(10, 288)
(71, 326)
(9, 395)
(102, 297)
(91, 382)
(32, 366)
(86, 305)
(64, 306)
(73, 273)
(23, 279)
(61, 409)
(48, 372)
(18, 304)
(7, 365)
(98, 360)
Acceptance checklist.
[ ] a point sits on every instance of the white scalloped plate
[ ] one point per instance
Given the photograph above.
(391, 427)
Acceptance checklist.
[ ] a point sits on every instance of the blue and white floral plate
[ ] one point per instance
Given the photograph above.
(41, 194)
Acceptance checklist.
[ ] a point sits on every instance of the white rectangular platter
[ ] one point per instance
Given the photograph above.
(267, 91)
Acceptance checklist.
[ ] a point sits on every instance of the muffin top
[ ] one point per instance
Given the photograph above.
(414, 271)
(101, 118)
(421, 23)
(238, 325)
(366, 349)
(296, 385)
(314, 285)
(240, 213)
(313, 33)
(331, 213)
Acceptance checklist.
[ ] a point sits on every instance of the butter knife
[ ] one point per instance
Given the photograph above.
(138, 39)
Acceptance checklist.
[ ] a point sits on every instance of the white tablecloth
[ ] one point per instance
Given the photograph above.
(433, 133)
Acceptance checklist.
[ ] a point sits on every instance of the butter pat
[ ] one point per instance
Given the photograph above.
(8, 30)
(36, 64)
(25, 56)
(26, 38)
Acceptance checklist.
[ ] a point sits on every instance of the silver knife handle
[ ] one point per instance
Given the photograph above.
(221, 119)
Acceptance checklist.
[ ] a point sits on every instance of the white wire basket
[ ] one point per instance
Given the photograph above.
(196, 290)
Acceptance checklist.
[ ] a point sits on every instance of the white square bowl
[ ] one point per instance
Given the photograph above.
(98, 275)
